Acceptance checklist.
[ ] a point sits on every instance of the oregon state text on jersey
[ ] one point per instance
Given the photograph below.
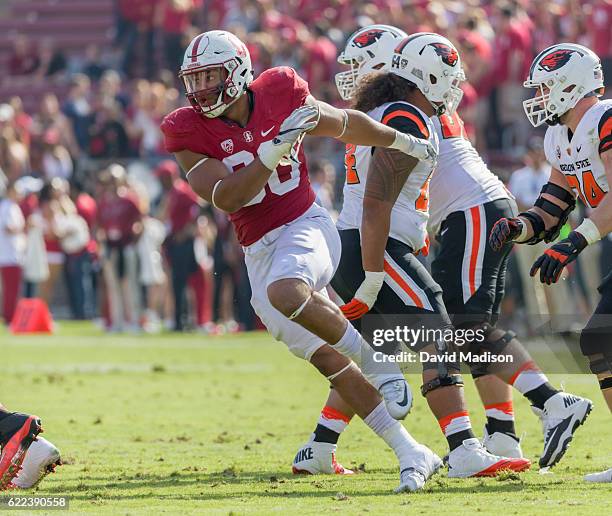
(462, 179)
(578, 155)
(276, 93)
(410, 213)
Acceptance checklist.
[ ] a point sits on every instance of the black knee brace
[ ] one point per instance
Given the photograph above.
(605, 383)
(601, 365)
(594, 341)
(441, 381)
(494, 346)
(446, 375)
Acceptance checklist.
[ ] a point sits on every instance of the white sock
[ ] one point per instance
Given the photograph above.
(354, 346)
(528, 378)
(350, 344)
(392, 432)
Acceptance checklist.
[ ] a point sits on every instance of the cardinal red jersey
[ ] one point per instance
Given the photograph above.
(275, 93)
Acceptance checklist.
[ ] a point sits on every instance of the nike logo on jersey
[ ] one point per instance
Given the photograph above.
(266, 133)
(578, 148)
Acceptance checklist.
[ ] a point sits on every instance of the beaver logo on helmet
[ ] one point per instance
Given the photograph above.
(448, 54)
(368, 38)
(556, 59)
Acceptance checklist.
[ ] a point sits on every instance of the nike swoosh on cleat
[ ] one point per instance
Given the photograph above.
(404, 402)
(553, 442)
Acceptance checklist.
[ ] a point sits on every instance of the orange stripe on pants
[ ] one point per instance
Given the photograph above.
(404, 286)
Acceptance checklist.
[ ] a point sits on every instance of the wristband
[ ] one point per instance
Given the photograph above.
(523, 236)
(369, 289)
(589, 231)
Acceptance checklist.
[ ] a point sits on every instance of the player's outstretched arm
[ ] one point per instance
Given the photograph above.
(350, 126)
(522, 229)
(388, 172)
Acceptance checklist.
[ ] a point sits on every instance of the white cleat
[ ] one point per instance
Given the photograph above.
(502, 444)
(601, 477)
(423, 464)
(563, 413)
(41, 459)
(316, 458)
(397, 396)
(472, 460)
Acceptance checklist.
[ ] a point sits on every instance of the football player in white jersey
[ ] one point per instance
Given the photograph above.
(569, 81)
(383, 225)
(467, 199)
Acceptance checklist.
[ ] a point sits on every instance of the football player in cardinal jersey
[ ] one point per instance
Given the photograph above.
(568, 80)
(239, 143)
(383, 224)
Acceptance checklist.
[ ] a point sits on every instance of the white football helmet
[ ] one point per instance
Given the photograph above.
(432, 63)
(224, 51)
(563, 74)
(367, 50)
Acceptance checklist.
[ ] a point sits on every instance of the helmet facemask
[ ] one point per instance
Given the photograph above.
(346, 81)
(449, 100)
(551, 100)
(225, 91)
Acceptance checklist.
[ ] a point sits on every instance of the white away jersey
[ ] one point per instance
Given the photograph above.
(578, 155)
(410, 212)
(461, 179)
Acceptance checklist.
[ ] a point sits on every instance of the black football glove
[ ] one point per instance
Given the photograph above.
(553, 260)
(504, 230)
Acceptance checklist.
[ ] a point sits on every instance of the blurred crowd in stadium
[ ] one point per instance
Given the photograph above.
(94, 217)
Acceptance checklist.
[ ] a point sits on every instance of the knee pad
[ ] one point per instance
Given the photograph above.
(605, 383)
(495, 341)
(600, 365)
(441, 381)
(593, 342)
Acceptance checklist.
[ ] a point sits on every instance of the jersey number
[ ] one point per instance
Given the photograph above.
(590, 193)
(452, 126)
(283, 179)
(350, 162)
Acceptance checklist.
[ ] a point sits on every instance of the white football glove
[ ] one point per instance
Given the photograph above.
(291, 132)
(416, 147)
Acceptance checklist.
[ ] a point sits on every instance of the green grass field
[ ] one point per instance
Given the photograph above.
(186, 424)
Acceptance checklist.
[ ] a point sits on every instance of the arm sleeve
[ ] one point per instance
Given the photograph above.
(604, 130)
(406, 119)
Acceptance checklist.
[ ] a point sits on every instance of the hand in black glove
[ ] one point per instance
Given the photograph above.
(553, 260)
(503, 231)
